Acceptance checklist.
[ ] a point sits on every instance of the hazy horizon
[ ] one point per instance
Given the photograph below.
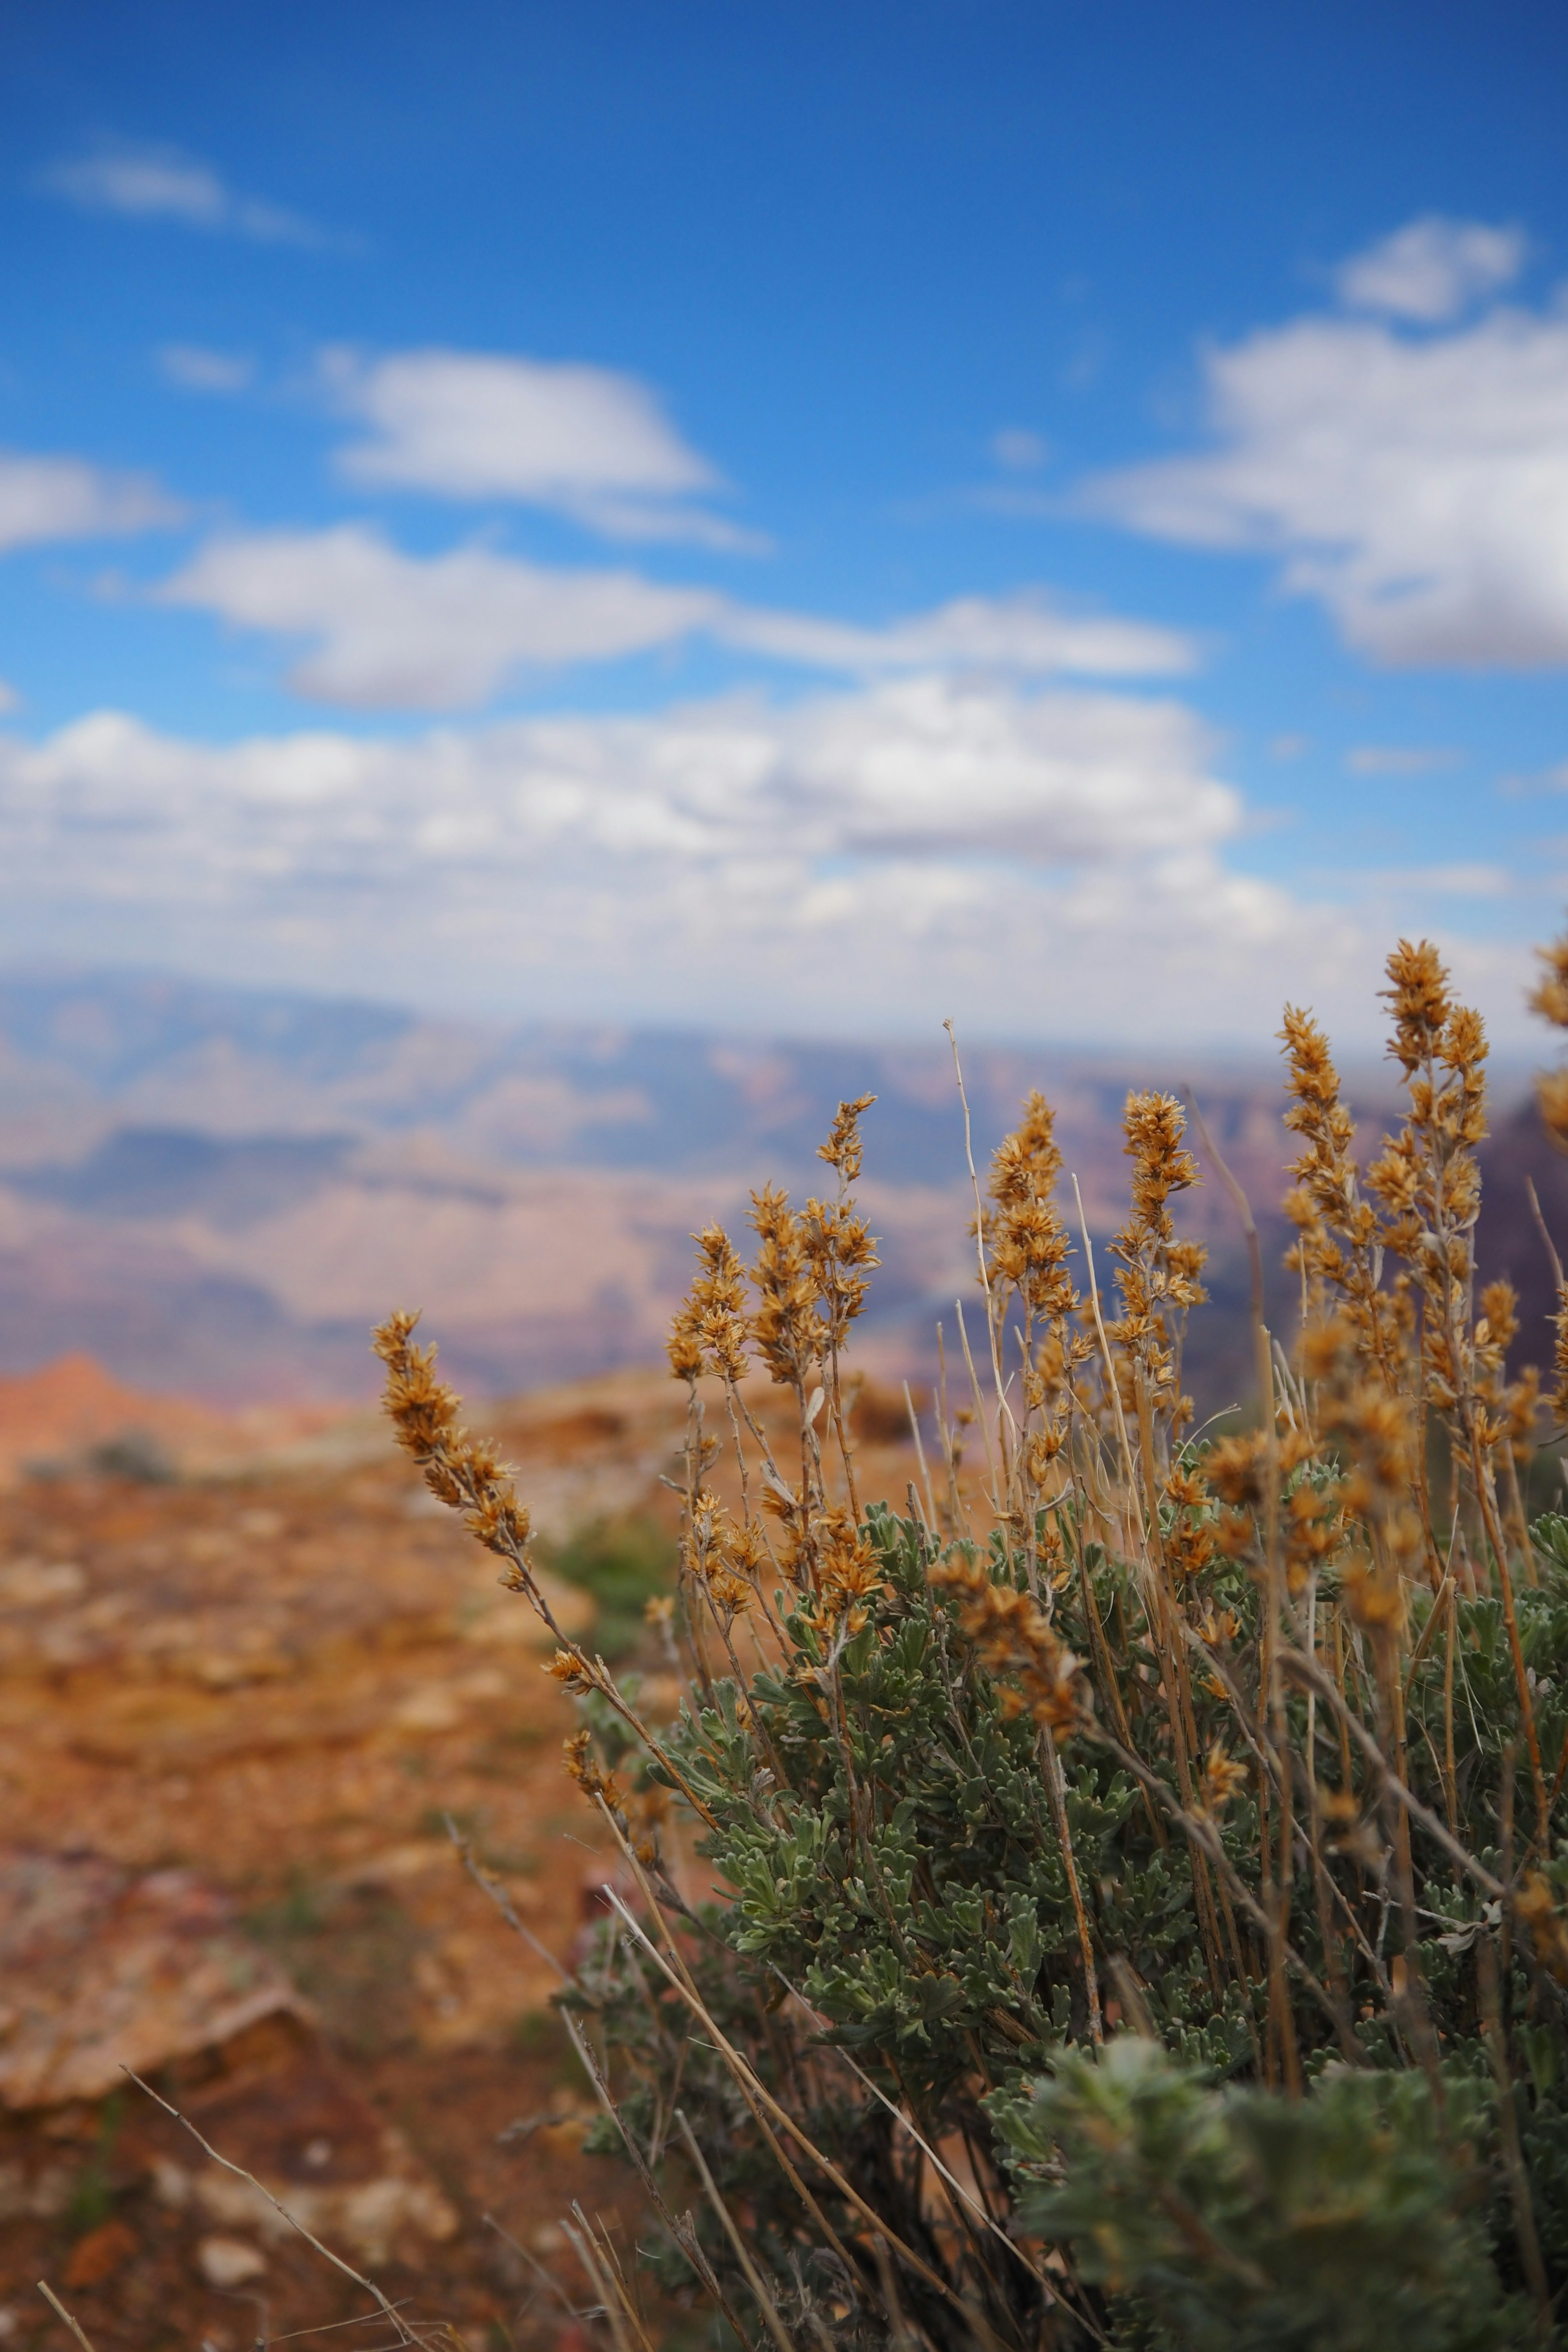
(1366, 1069)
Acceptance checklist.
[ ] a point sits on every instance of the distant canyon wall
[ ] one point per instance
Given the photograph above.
(217, 1191)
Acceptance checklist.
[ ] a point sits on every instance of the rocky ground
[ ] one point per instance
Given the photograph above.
(240, 1692)
(235, 1709)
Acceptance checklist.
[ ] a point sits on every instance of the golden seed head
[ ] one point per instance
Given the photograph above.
(570, 1669)
(1550, 999)
(582, 1766)
(843, 1148)
(1417, 994)
(1224, 1778)
(1014, 1642)
(1551, 1094)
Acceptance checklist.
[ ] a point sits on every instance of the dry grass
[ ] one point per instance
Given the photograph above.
(1276, 1644)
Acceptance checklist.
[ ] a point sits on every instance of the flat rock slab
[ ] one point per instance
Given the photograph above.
(103, 1970)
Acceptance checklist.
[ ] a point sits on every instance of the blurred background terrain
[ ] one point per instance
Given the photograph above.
(216, 1191)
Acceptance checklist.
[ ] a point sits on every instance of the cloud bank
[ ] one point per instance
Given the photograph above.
(1034, 861)
(916, 767)
(392, 632)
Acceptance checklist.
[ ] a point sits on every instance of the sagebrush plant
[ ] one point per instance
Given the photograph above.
(1133, 1904)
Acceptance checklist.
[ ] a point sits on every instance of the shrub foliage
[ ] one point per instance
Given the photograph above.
(1118, 1896)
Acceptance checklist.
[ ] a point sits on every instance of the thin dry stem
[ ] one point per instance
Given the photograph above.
(388, 2311)
(55, 2305)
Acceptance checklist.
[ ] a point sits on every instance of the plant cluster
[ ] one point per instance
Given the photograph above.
(1133, 1901)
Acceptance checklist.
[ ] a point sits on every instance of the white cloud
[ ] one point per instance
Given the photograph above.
(472, 426)
(164, 183)
(1543, 780)
(1401, 759)
(1018, 450)
(394, 632)
(1431, 269)
(1472, 879)
(929, 762)
(442, 633)
(195, 369)
(143, 182)
(1418, 487)
(1018, 633)
(44, 499)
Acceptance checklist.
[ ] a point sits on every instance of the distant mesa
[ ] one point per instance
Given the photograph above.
(143, 1172)
(67, 1409)
(73, 1416)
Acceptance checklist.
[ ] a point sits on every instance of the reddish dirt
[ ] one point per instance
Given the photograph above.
(278, 1673)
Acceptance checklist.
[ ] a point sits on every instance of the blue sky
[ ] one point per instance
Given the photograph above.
(786, 516)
